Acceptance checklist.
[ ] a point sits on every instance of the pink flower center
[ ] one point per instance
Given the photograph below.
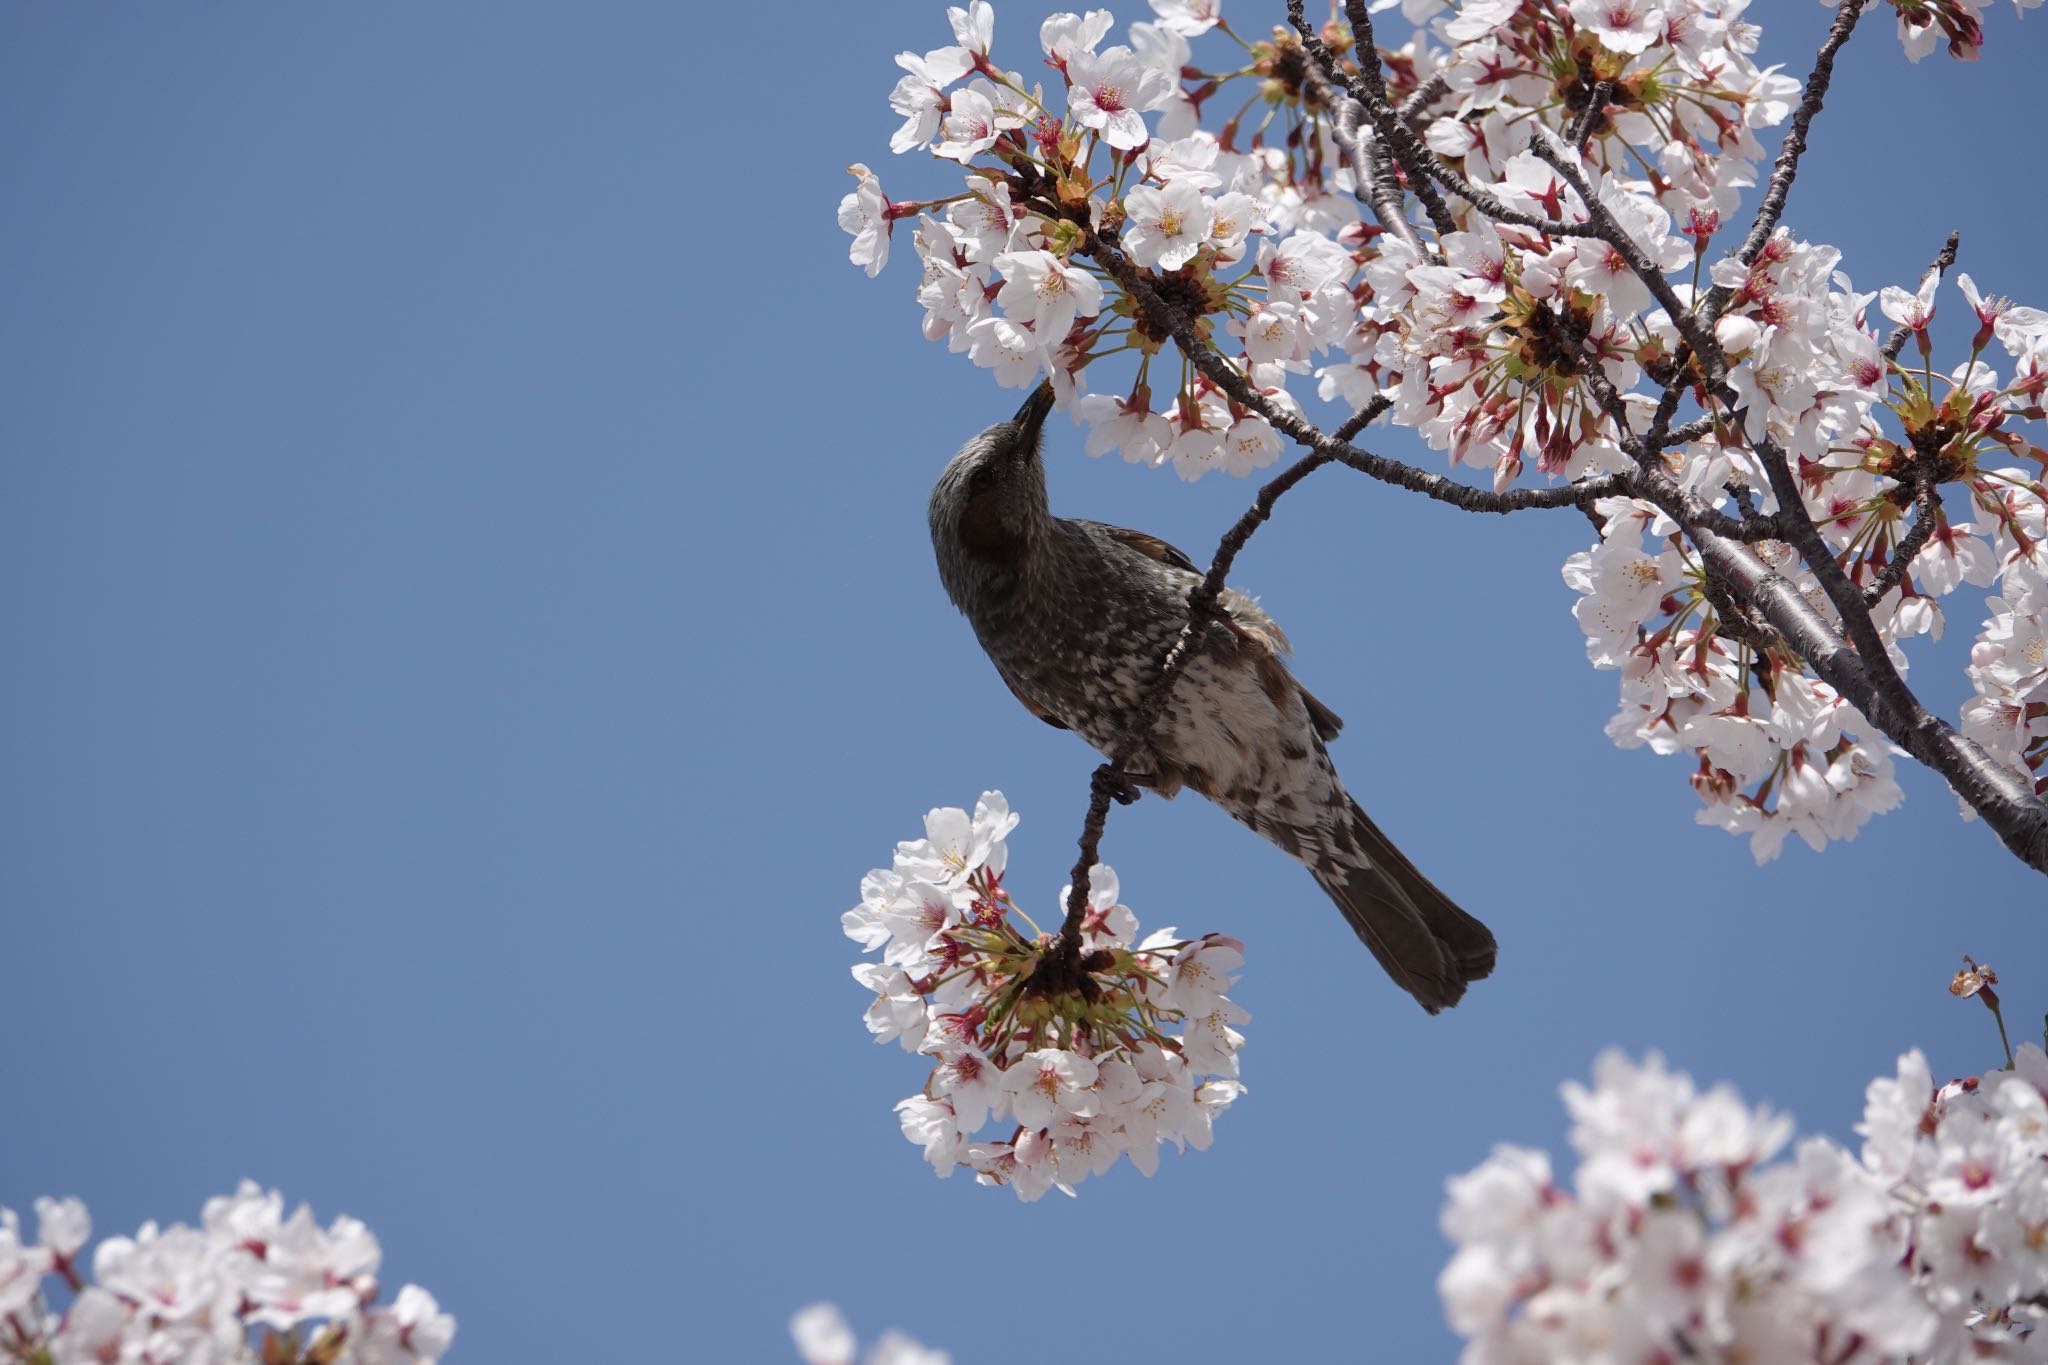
(1109, 99)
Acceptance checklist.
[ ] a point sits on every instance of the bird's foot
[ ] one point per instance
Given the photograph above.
(1123, 787)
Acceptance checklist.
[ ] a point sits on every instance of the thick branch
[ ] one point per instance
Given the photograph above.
(1793, 522)
(2008, 806)
(1426, 94)
(1864, 675)
(1378, 186)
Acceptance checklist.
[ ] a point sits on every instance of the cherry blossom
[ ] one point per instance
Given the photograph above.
(1111, 91)
(1167, 227)
(248, 1284)
(1046, 292)
(1188, 17)
(865, 214)
(1626, 26)
(1125, 424)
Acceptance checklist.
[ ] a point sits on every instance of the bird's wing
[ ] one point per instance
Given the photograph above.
(1249, 622)
(1032, 706)
(1245, 618)
(1152, 547)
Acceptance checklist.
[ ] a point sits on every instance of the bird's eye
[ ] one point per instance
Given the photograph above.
(981, 480)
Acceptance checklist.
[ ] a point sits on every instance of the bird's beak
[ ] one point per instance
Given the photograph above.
(1031, 416)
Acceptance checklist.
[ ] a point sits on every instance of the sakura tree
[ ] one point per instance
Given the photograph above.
(1518, 228)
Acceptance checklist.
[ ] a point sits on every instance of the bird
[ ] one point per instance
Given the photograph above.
(1077, 616)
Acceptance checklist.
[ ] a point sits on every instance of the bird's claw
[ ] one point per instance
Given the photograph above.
(1123, 787)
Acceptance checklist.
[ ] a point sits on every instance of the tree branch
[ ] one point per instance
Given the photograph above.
(1109, 781)
(1608, 230)
(1378, 186)
(1227, 377)
(1596, 105)
(1926, 482)
(1787, 166)
(2000, 796)
(1926, 505)
(1369, 88)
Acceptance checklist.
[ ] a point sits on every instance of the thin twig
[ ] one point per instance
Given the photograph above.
(1596, 106)
(1108, 782)
(1926, 510)
(1787, 166)
(1919, 473)
(1610, 231)
(1227, 377)
(1902, 333)
(1782, 174)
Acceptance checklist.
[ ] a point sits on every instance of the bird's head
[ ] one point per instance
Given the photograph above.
(989, 505)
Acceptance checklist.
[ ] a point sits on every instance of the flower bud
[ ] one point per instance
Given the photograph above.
(1737, 333)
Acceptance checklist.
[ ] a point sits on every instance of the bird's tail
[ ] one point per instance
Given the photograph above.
(1428, 945)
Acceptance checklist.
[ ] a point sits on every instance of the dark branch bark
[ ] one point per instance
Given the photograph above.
(1996, 793)
(1596, 105)
(1853, 659)
(1369, 88)
(1426, 94)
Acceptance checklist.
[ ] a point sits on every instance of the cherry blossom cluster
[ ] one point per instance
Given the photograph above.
(823, 1338)
(1777, 751)
(1679, 1238)
(1133, 1048)
(1957, 23)
(1256, 231)
(1113, 159)
(247, 1284)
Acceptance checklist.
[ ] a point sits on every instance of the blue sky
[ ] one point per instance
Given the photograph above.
(470, 624)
